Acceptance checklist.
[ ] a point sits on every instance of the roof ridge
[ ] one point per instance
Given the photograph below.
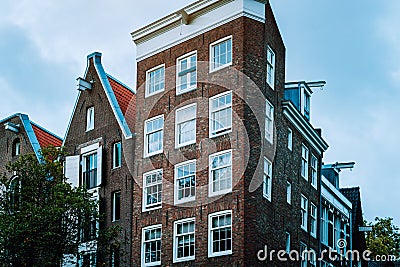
(121, 83)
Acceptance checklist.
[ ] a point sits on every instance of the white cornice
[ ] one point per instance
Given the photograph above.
(191, 21)
(304, 127)
(333, 195)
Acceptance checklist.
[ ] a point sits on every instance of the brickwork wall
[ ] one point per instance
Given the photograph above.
(107, 130)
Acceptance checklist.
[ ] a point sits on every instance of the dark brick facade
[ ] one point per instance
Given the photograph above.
(256, 221)
(106, 132)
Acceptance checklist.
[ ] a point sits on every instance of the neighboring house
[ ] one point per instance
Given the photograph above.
(358, 238)
(99, 142)
(211, 95)
(336, 218)
(20, 136)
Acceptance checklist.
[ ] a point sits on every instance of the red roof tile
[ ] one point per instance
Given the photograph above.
(45, 138)
(126, 100)
(124, 95)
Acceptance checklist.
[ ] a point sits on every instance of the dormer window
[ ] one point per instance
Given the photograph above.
(90, 119)
(16, 147)
(307, 103)
(299, 93)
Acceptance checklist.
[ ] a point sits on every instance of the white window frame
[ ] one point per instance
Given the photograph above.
(269, 121)
(211, 192)
(176, 180)
(210, 232)
(270, 67)
(151, 227)
(90, 119)
(182, 109)
(176, 236)
(188, 73)
(313, 220)
(290, 139)
(267, 179)
(158, 204)
(304, 161)
(314, 171)
(288, 192)
(146, 152)
(313, 257)
(226, 129)
(303, 249)
(85, 170)
(117, 162)
(287, 242)
(324, 225)
(212, 45)
(304, 212)
(114, 207)
(147, 91)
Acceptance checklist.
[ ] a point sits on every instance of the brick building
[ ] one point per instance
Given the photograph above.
(19, 135)
(226, 160)
(99, 142)
(336, 217)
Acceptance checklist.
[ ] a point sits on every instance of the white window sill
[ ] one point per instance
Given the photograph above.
(154, 93)
(192, 258)
(220, 67)
(221, 192)
(153, 153)
(228, 130)
(178, 92)
(223, 253)
(144, 209)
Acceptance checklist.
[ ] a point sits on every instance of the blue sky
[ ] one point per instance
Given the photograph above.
(353, 46)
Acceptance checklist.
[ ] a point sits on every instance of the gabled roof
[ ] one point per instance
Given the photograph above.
(38, 136)
(44, 137)
(118, 94)
(122, 92)
(353, 194)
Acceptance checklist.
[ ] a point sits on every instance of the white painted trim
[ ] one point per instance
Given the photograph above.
(187, 55)
(146, 92)
(335, 197)
(89, 148)
(232, 9)
(175, 259)
(315, 184)
(228, 130)
(306, 210)
(184, 200)
(153, 207)
(210, 182)
(211, 53)
(290, 139)
(270, 50)
(289, 196)
(314, 234)
(270, 140)
(268, 195)
(155, 226)
(177, 145)
(307, 150)
(210, 216)
(304, 127)
(145, 153)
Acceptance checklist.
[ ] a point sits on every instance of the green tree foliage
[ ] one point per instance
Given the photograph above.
(41, 214)
(384, 238)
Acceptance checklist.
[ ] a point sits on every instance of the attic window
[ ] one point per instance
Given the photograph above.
(16, 147)
(90, 119)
